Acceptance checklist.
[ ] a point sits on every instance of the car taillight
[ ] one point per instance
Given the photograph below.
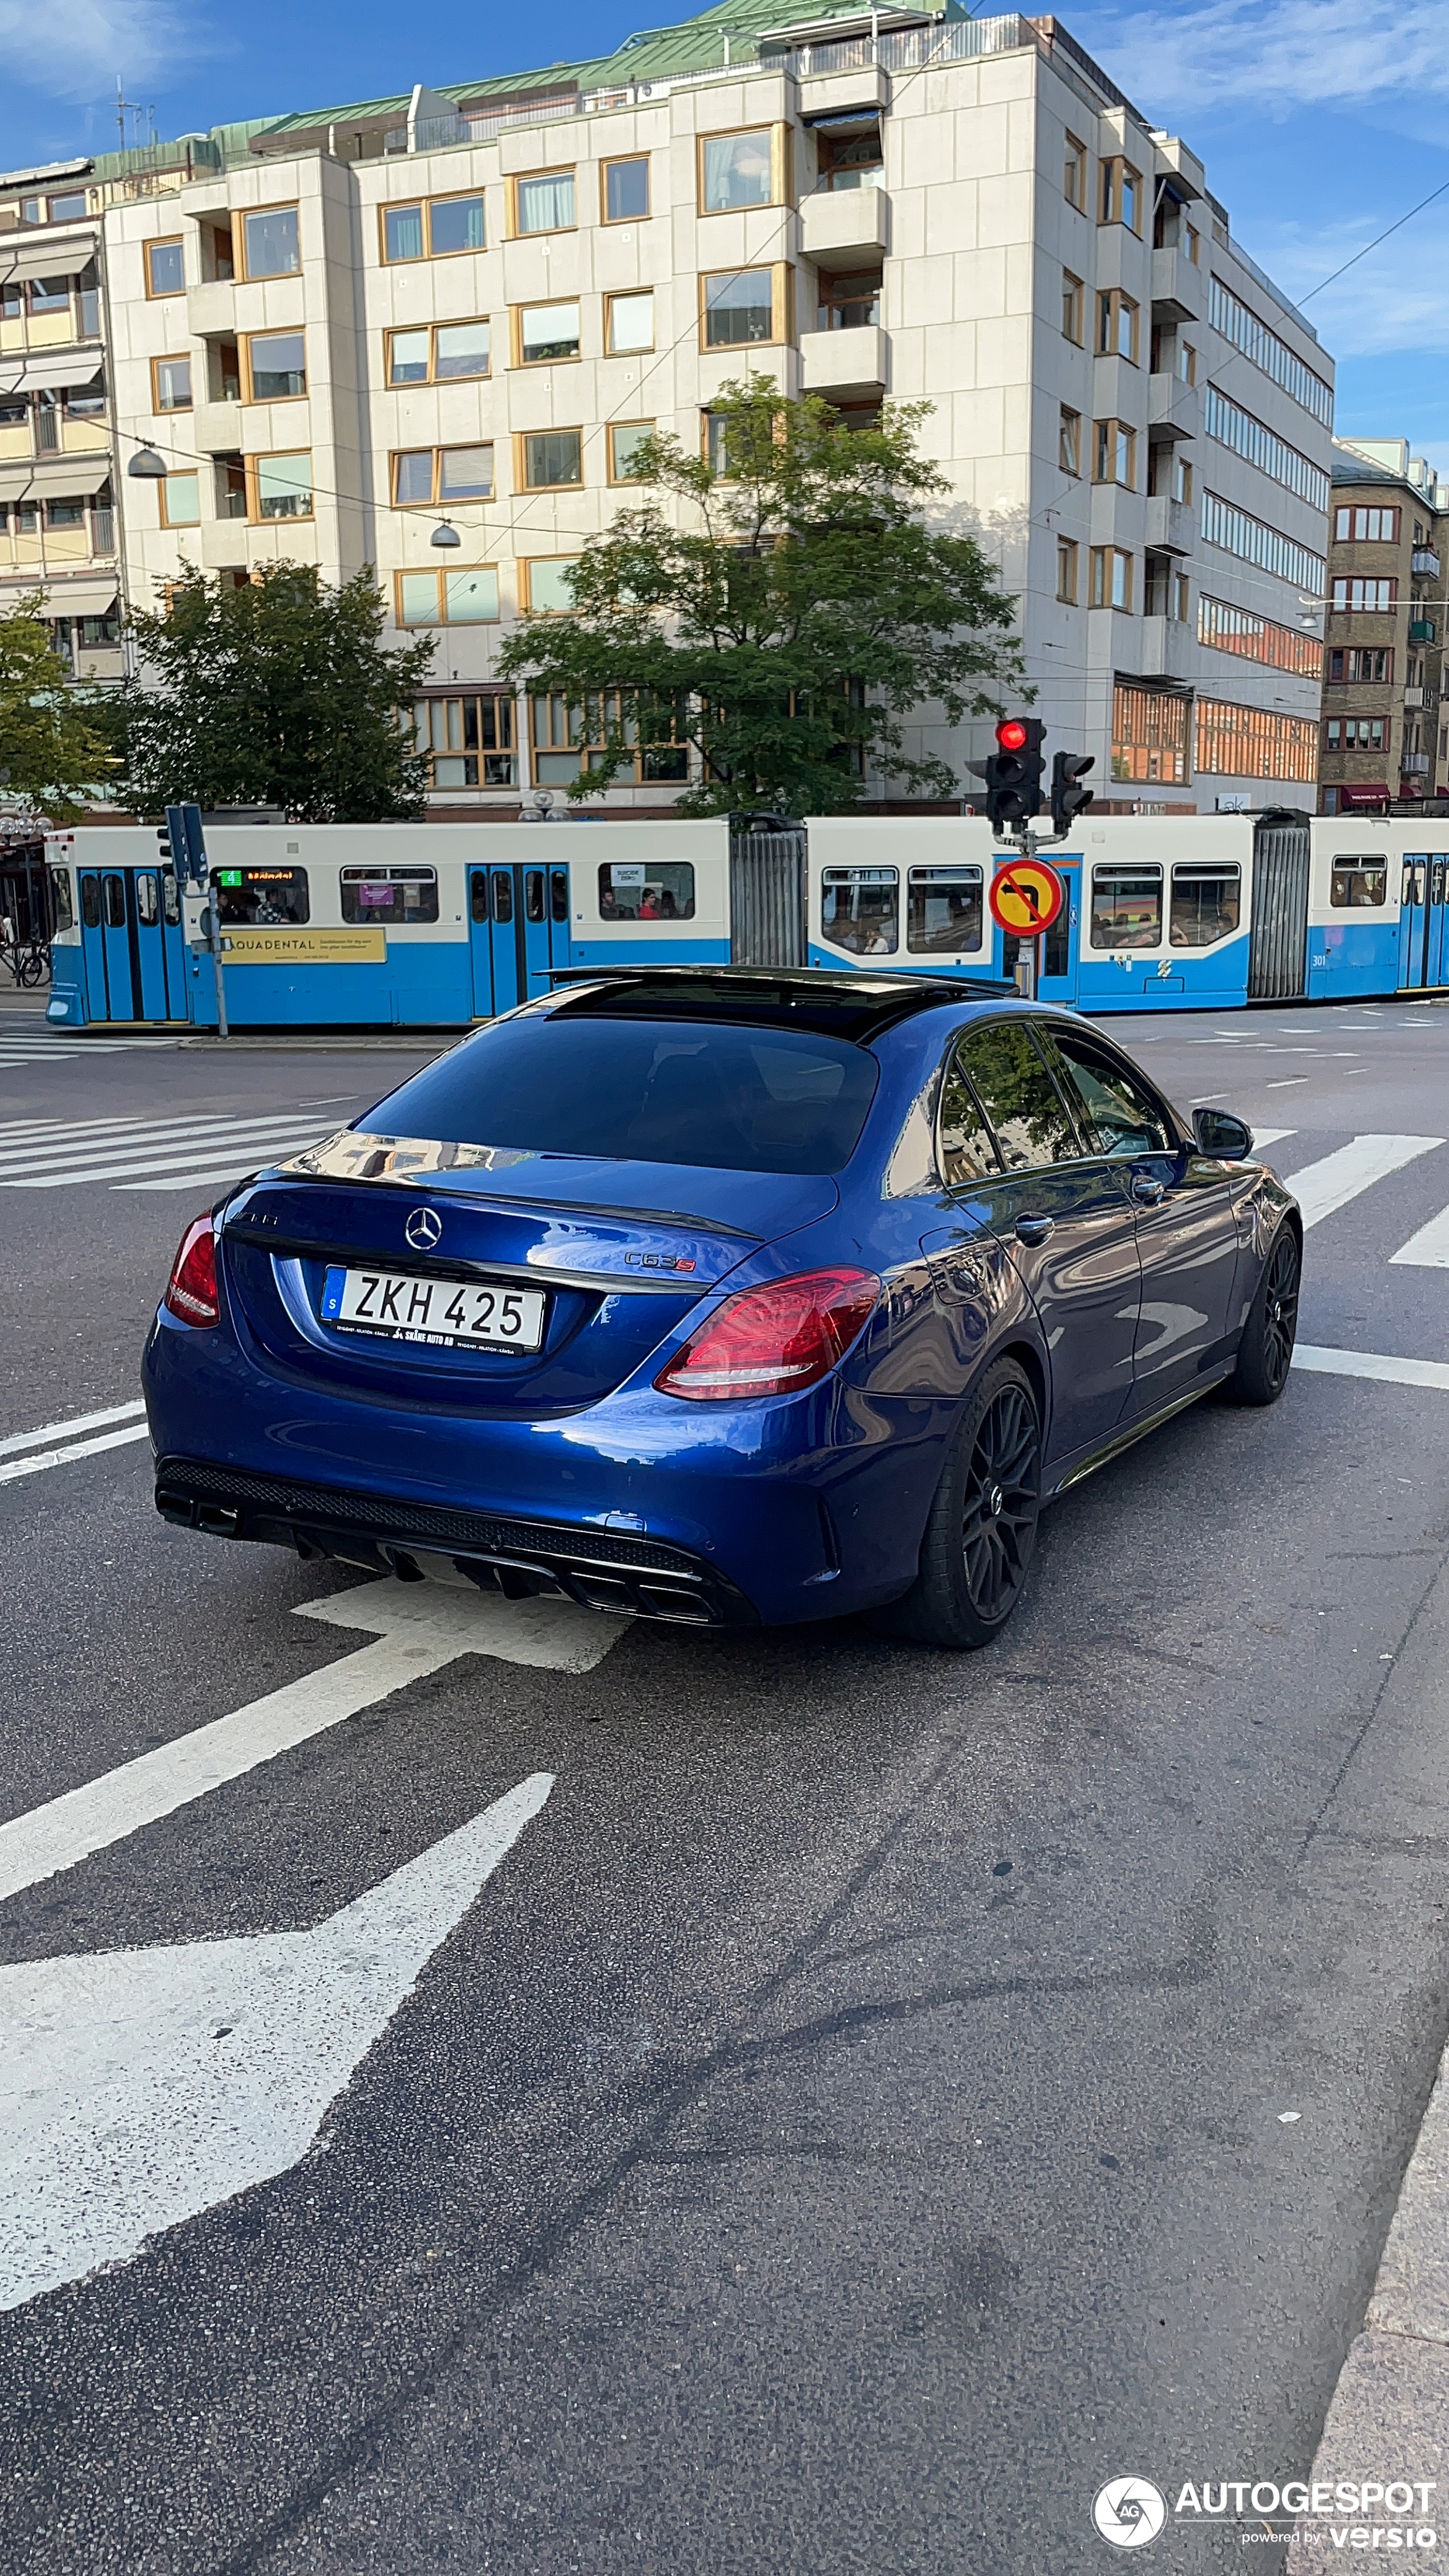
(191, 1290)
(773, 1341)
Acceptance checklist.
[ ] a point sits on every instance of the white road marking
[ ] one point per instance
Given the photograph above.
(206, 1145)
(1263, 1137)
(1429, 1248)
(419, 1628)
(14, 1468)
(1287, 1082)
(147, 2086)
(64, 1430)
(1323, 1187)
(1373, 1364)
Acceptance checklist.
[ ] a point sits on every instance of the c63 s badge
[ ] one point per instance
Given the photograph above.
(657, 1261)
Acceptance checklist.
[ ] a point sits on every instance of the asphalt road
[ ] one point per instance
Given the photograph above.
(848, 2127)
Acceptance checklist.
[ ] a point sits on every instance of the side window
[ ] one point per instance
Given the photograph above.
(1206, 904)
(478, 895)
(260, 898)
(558, 894)
(646, 890)
(1024, 1109)
(967, 1151)
(148, 902)
(115, 899)
(91, 902)
(1121, 1112)
(943, 909)
(1126, 907)
(860, 910)
(1358, 885)
(61, 905)
(502, 895)
(378, 894)
(170, 899)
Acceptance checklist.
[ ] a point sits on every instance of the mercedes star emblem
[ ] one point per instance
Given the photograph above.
(424, 1229)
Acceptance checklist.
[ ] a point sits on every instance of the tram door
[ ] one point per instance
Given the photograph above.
(518, 931)
(132, 945)
(1423, 936)
(1059, 953)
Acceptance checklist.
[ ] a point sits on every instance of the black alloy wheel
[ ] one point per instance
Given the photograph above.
(1265, 1354)
(981, 1534)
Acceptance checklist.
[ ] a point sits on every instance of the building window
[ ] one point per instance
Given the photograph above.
(282, 486)
(1373, 663)
(1071, 308)
(1116, 325)
(270, 243)
(68, 209)
(455, 224)
(545, 333)
(463, 598)
(1067, 570)
(544, 203)
(628, 323)
(1267, 351)
(740, 306)
(738, 170)
(548, 459)
(1192, 242)
(626, 437)
(276, 366)
(1253, 541)
(165, 268)
(626, 190)
(1354, 596)
(441, 355)
(716, 444)
(1121, 195)
(1114, 453)
(1250, 742)
(1149, 736)
(1366, 527)
(180, 500)
(567, 739)
(87, 402)
(850, 157)
(170, 384)
(424, 476)
(1259, 639)
(1074, 174)
(1111, 578)
(469, 741)
(849, 303)
(1235, 428)
(1181, 479)
(547, 586)
(65, 514)
(1069, 441)
(1354, 733)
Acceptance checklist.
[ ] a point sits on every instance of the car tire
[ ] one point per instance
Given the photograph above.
(1265, 1353)
(981, 1534)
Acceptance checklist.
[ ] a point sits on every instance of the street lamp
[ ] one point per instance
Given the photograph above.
(147, 464)
(444, 534)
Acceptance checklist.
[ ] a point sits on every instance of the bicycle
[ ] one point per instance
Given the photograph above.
(28, 961)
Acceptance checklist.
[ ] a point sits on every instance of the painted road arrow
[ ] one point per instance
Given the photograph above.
(148, 2085)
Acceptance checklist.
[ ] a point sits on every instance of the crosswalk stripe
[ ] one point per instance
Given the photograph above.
(52, 1431)
(1373, 1364)
(1429, 1248)
(245, 1149)
(1322, 1188)
(41, 1459)
(152, 1140)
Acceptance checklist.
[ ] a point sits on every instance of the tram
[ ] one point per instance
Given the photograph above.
(443, 925)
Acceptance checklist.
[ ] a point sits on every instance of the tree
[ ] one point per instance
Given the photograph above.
(779, 606)
(54, 746)
(277, 692)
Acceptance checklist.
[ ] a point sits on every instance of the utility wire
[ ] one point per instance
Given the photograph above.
(1373, 245)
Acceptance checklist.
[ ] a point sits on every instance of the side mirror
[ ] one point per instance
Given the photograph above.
(1222, 1136)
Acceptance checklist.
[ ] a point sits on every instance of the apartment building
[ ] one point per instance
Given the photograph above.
(1384, 731)
(427, 334)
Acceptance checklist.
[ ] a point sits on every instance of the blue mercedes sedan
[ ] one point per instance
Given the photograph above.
(722, 1296)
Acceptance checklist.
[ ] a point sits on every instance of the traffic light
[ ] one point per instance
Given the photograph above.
(1014, 772)
(181, 844)
(1068, 799)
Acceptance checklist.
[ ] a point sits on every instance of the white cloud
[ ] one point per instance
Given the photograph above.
(1396, 298)
(76, 49)
(1278, 57)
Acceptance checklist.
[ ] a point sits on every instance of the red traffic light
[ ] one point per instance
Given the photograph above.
(1011, 733)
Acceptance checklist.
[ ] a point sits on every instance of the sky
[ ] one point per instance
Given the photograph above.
(1320, 123)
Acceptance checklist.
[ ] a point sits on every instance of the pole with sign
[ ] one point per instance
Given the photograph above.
(188, 858)
(1026, 897)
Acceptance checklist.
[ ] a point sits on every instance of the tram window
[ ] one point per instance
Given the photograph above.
(558, 894)
(1126, 907)
(91, 902)
(646, 890)
(502, 895)
(943, 909)
(478, 895)
(1437, 880)
(1358, 885)
(261, 898)
(60, 902)
(1414, 875)
(148, 902)
(860, 910)
(533, 894)
(115, 898)
(1207, 905)
(170, 899)
(389, 894)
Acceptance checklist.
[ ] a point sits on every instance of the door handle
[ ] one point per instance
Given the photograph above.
(1146, 1191)
(1033, 1229)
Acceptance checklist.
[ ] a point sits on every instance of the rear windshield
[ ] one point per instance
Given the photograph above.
(732, 1099)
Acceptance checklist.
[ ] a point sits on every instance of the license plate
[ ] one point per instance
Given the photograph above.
(405, 1308)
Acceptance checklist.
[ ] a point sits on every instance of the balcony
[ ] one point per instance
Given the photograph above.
(844, 362)
(1414, 764)
(1169, 529)
(1422, 630)
(1424, 560)
(216, 427)
(1173, 408)
(1177, 288)
(211, 310)
(1169, 649)
(1415, 698)
(837, 91)
(840, 224)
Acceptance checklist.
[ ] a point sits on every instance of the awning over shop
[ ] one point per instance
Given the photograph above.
(63, 257)
(73, 367)
(54, 478)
